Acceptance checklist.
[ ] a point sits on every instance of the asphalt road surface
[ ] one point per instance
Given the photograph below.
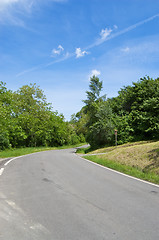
(57, 195)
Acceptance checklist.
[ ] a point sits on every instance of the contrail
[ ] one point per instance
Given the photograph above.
(96, 43)
(64, 58)
(100, 41)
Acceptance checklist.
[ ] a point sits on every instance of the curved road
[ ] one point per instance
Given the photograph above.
(57, 195)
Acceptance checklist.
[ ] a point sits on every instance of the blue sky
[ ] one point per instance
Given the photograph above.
(60, 44)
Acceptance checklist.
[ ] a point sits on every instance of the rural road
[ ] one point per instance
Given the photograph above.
(56, 195)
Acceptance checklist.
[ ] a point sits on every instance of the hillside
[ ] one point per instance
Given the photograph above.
(140, 159)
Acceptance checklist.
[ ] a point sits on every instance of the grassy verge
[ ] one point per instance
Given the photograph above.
(132, 171)
(24, 151)
(83, 150)
(140, 159)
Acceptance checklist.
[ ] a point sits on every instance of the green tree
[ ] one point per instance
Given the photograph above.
(31, 112)
(92, 103)
(139, 106)
(100, 119)
(5, 115)
(101, 131)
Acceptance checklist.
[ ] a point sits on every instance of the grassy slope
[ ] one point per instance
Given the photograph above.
(138, 159)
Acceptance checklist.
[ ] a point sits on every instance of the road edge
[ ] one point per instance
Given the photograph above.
(115, 171)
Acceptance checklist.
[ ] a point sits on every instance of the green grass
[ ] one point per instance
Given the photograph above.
(132, 171)
(83, 150)
(8, 153)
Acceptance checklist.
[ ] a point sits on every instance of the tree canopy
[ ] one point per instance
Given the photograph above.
(134, 113)
(26, 119)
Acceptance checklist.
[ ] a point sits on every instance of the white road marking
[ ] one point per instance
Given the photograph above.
(123, 174)
(12, 159)
(9, 161)
(1, 171)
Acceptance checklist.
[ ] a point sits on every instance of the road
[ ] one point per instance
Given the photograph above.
(56, 195)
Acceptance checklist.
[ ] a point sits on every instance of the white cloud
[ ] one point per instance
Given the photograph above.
(13, 11)
(95, 73)
(104, 36)
(6, 3)
(115, 27)
(24, 3)
(126, 49)
(60, 47)
(105, 33)
(80, 53)
(57, 51)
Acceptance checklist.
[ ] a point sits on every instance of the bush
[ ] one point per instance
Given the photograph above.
(4, 141)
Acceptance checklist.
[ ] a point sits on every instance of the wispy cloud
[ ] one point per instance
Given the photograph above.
(80, 53)
(105, 35)
(57, 51)
(101, 40)
(128, 29)
(6, 3)
(29, 70)
(13, 11)
(66, 56)
(126, 49)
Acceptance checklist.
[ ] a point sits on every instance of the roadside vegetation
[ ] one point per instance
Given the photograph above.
(139, 159)
(8, 153)
(134, 113)
(29, 124)
(27, 120)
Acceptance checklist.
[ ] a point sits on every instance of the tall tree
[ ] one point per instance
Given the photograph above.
(92, 103)
(100, 120)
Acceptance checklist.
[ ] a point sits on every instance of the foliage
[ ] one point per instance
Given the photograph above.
(99, 116)
(4, 141)
(101, 132)
(15, 152)
(139, 159)
(139, 106)
(27, 120)
(79, 121)
(134, 113)
(93, 101)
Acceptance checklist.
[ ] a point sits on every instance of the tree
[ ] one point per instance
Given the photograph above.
(139, 106)
(79, 122)
(101, 132)
(31, 112)
(5, 115)
(93, 100)
(99, 124)
(26, 119)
